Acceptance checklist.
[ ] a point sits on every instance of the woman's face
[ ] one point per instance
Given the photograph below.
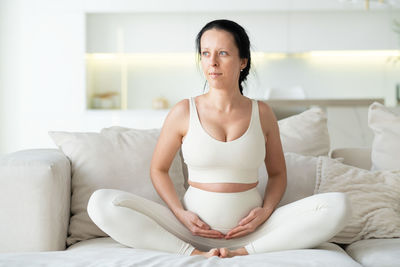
(220, 59)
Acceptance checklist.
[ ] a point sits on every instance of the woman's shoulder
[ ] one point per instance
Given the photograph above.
(181, 108)
(178, 114)
(267, 116)
(264, 109)
(177, 118)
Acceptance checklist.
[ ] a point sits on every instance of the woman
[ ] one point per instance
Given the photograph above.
(225, 137)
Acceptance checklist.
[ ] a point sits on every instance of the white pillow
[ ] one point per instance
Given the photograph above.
(374, 198)
(385, 153)
(300, 171)
(305, 133)
(113, 159)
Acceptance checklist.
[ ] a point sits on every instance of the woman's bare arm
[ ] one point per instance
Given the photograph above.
(274, 160)
(166, 148)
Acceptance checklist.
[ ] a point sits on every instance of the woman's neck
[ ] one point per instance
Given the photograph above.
(224, 99)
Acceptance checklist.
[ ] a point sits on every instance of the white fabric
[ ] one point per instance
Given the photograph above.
(213, 161)
(107, 252)
(376, 252)
(34, 200)
(116, 158)
(374, 196)
(300, 172)
(305, 133)
(140, 223)
(386, 145)
(221, 211)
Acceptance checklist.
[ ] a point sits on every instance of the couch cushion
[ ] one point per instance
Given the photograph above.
(106, 252)
(326, 254)
(111, 159)
(305, 133)
(385, 124)
(374, 198)
(376, 252)
(359, 157)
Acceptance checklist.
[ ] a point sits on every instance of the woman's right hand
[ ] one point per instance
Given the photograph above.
(197, 226)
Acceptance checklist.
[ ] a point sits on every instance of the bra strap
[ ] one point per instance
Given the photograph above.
(256, 118)
(193, 113)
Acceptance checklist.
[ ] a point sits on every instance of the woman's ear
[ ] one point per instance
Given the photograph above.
(243, 63)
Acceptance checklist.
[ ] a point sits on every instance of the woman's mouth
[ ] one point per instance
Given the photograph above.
(214, 74)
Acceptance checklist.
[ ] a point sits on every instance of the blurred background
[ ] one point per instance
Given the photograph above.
(85, 65)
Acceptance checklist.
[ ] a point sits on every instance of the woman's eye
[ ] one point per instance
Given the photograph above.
(205, 53)
(224, 53)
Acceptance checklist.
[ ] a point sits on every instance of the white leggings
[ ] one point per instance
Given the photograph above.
(141, 223)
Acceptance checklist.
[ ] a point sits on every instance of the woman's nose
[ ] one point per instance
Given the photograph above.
(214, 61)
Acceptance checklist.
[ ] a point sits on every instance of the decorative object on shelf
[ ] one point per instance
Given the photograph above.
(107, 100)
(160, 103)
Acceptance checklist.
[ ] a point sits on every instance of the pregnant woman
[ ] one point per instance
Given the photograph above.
(225, 138)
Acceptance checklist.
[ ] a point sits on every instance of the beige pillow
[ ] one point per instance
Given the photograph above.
(300, 172)
(385, 124)
(110, 159)
(305, 133)
(374, 198)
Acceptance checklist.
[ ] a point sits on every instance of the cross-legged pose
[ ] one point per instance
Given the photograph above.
(225, 138)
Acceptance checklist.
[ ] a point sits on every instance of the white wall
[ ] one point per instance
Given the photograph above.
(269, 31)
(10, 65)
(42, 82)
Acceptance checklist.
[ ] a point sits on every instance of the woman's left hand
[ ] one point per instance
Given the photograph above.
(249, 223)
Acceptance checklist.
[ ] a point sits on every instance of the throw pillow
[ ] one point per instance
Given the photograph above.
(300, 172)
(374, 197)
(385, 124)
(110, 159)
(305, 133)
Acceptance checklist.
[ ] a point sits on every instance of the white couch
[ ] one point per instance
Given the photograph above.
(35, 203)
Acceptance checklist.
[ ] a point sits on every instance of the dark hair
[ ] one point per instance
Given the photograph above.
(241, 40)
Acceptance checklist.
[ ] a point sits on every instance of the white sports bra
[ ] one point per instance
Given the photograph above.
(212, 161)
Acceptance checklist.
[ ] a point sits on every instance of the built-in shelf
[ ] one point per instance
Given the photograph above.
(275, 103)
(146, 60)
(284, 108)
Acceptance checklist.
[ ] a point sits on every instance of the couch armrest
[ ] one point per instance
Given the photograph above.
(35, 192)
(359, 157)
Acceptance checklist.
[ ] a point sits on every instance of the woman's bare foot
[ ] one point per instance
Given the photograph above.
(209, 254)
(226, 253)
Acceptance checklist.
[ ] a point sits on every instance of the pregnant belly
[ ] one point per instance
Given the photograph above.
(221, 211)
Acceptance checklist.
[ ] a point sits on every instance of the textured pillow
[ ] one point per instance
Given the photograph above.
(374, 198)
(385, 153)
(110, 159)
(300, 177)
(305, 133)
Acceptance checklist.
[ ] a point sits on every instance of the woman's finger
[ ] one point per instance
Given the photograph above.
(240, 233)
(211, 236)
(202, 224)
(235, 230)
(208, 233)
(247, 219)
